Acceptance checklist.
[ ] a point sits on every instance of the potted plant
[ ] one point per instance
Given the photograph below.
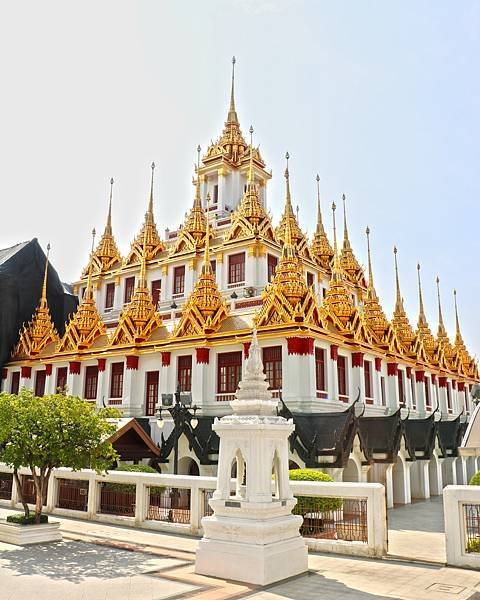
(42, 434)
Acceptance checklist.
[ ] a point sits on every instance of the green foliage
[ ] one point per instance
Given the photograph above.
(307, 504)
(50, 432)
(23, 520)
(475, 480)
(110, 412)
(473, 545)
(130, 487)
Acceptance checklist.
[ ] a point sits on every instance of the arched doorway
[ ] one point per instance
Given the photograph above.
(187, 466)
(351, 471)
(292, 465)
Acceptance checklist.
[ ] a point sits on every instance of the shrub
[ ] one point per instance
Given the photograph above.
(130, 487)
(23, 520)
(473, 545)
(475, 480)
(308, 504)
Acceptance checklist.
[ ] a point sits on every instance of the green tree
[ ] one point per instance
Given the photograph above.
(50, 432)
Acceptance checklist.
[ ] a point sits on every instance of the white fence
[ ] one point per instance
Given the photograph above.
(177, 503)
(461, 504)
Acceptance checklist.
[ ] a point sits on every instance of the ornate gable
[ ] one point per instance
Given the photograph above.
(140, 317)
(205, 309)
(250, 219)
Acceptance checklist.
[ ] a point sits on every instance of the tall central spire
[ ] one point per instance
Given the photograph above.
(374, 315)
(232, 113)
(423, 330)
(348, 261)
(422, 319)
(321, 248)
(400, 321)
(441, 332)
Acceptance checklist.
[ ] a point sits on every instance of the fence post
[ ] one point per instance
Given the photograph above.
(141, 491)
(377, 521)
(195, 499)
(93, 493)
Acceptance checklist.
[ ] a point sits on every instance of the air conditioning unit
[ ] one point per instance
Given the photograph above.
(249, 292)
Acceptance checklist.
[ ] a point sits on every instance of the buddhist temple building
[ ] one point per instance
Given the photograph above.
(374, 396)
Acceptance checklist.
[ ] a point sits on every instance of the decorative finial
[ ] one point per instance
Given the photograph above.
(287, 177)
(399, 300)
(441, 325)
(45, 275)
(334, 208)
(150, 204)
(345, 230)
(199, 149)
(370, 270)
(421, 317)
(250, 169)
(232, 115)
(458, 335)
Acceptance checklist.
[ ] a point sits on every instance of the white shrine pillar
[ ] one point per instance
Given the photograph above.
(393, 400)
(200, 370)
(299, 392)
(252, 536)
(332, 380)
(358, 375)
(132, 402)
(102, 387)
(442, 395)
(420, 390)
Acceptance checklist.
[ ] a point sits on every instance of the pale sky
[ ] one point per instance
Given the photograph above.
(381, 99)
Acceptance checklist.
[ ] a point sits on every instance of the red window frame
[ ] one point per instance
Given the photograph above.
(61, 382)
(229, 372)
(91, 382)
(184, 373)
(151, 392)
(401, 387)
(110, 295)
(156, 287)
(342, 376)
(15, 383)
(116, 380)
(320, 378)
(179, 280)
(40, 380)
(272, 366)
(310, 279)
(428, 399)
(367, 375)
(236, 268)
(129, 289)
(272, 262)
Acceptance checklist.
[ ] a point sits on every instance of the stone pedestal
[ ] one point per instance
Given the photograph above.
(252, 535)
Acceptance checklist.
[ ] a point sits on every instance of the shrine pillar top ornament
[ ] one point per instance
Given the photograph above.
(252, 535)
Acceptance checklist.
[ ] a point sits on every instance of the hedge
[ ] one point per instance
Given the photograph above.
(475, 480)
(309, 504)
(21, 519)
(130, 487)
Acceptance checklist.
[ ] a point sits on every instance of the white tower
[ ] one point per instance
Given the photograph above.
(252, 535)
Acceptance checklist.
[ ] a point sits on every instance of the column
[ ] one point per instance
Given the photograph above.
(219, 276)
(132, 402)
(377, 380)
(49, 379)
(167, 381)
(222, 197)
(442, 395)
(166, 292)
(420, 390)
(392, 386)
(299, 385)
(332, 381)
(118, 297)
(462, 399)
(250, 266)
(455, 400)
(408, 386)
(73, 378)
(200, 366)
(3, 383)
(419, 479)
(358, 376)
(102, 383)
(26, 377)
(190, 276)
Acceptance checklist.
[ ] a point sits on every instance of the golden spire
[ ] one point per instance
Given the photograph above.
(191, 236)
(400, 320)
(348, 261)
(140, 317)
(321, 248)
(40, 331)
(232, 113)
(337, 299)
(298, 238)
(459, 349)
(154, 244)
(423, 330)
(458, 335)
(441, 332)
(86, 325)
(106, 254)
(205, 308)
(374, 315)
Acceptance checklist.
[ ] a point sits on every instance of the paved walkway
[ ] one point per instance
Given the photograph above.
(107, 562)
(416, 531)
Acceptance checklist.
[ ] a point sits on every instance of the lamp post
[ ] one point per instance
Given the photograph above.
(180, 414)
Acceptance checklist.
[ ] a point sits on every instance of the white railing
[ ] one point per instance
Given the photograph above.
(461, 505)
(177, 503)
